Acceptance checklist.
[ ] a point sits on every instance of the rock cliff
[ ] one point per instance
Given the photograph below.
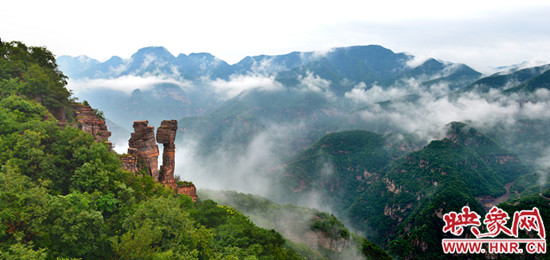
(166, 134)
(89, 122)
(129, 161)
(143, 154)
(143, 140)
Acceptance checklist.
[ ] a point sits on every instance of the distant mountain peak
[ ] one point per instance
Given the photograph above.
(343, 67)
(152, 49)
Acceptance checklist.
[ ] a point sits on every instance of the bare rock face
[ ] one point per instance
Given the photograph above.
(166, 134)
(129, 161)
(88, 121)
(143, 147)
(143, 140)
(189, 190)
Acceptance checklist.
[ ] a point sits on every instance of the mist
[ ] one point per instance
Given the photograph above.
(227, 89)
(251, 169)
(125, 84)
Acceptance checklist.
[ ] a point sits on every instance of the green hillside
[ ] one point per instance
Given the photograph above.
(337, 164)
(398, 200)
(315, 234)
(503, 81)
(62, 195)
(541, 81)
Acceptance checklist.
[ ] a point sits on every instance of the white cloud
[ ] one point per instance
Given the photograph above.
(470, 31)
(265, 67)
(252, 169)
(125, 84)
(237, 84)
(314, 83)
(428, 115)
(417, 60)
(362, 94)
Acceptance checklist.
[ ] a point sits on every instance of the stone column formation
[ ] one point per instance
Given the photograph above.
(143, 147)
(143, 139)
(166, 134)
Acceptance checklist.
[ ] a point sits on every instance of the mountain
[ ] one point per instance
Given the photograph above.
(390, 192)
(258, 90)
(149, 61)
(65, 195)
(322, 234)
(368, 64)
(338, 163)
(505, 80)
(541, 81)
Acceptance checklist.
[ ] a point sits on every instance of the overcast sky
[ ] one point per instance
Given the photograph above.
(479, 33)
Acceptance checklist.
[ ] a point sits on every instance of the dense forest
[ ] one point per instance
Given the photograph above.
(62, 195)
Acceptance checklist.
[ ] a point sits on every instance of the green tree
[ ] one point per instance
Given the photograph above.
(161, 225)
(36, 69)
(77, 229)
(24, 207)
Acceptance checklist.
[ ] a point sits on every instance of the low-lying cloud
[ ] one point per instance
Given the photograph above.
(228, 89)
(230, 167)
(426, 116)
(125, 84)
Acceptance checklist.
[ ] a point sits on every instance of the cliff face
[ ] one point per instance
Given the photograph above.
(88, 121)
(143, 152)
(166, 134)
(143, 140)
(129, 161)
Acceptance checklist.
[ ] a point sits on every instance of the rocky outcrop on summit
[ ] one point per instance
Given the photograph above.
(143, 148)
(166, 135)
(143, 140)
(89, 122)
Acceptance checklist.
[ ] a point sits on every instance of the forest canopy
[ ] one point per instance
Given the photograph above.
(63, 195)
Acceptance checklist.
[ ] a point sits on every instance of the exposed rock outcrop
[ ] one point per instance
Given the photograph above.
(166, 135)
(189, 190)
(143, 140)
(143, 154)
(89, 122)
(129, 161)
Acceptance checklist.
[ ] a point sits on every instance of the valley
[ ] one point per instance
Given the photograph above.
(343, 154)
(356, 131)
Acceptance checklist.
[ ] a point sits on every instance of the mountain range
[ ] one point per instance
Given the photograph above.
(356, 64)
(361, 132)
(155, 83)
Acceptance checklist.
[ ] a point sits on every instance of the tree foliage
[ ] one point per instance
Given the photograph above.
(62, 195)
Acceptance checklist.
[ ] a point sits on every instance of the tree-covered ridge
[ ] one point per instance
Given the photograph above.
(315, 234)
(541, 81)
(62, 195)
(504, 81)
(33, 72)
(341, 165)
(399, 202)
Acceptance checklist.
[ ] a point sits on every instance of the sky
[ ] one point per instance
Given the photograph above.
(481, 33)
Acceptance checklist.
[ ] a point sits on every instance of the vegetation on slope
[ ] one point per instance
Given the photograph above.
(399, 202)
(315, 234)
(62, 195)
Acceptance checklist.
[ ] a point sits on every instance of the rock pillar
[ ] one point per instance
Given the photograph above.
(143, 140)
(166, 135)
